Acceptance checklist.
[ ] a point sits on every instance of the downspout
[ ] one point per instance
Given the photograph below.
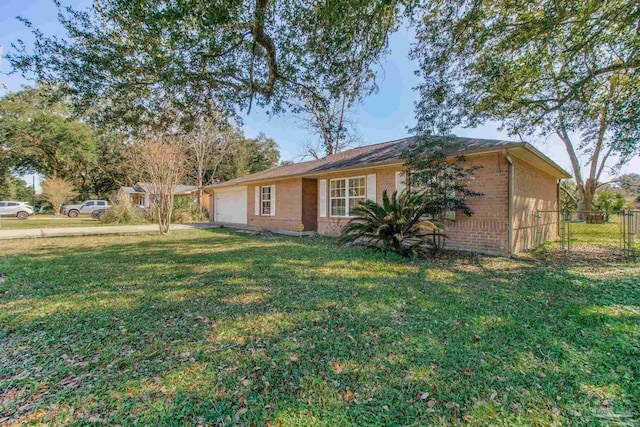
(558, 205)
(509, 202)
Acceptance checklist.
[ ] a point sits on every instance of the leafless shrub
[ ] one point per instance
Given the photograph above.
(162, 162)
(57, 191)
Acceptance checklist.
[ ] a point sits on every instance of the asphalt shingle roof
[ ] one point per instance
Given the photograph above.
(142, 187)
(385, 152)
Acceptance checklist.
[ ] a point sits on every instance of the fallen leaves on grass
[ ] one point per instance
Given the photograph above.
(349, 396)
(419, 346)
(240, 413)
(453, 406)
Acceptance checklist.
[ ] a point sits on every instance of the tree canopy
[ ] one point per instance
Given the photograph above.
(563, 67)
(521, 61)
(329, 120)
(38, 135)
(127, 57)
(12, 188)
(567, 67)
(249, 155)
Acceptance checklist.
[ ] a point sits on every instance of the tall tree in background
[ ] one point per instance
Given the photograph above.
(130, 56)
(249, 155)
(547, 67)
(630, 183)
(112, 168)
(38, 134)
(207, 146)
(262, 153)
(330, 121)
(12, 188)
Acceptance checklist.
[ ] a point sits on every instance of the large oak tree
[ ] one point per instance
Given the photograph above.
(128, 57)
(563, 67)
(38, 134)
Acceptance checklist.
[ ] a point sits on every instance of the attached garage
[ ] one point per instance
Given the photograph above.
(230, 205)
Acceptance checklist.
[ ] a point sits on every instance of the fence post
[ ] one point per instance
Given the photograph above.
(625, 234)
(537, 240)
(634, 219)
(567, 224)
(562, 224)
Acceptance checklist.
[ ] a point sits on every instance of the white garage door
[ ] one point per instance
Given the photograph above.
(231, 205)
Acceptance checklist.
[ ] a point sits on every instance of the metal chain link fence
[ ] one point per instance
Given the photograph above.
(592, 232)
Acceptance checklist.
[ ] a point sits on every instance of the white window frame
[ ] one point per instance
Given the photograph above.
(262, 200)
(346, 197)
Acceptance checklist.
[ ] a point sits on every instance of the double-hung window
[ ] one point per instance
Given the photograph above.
(265, 200)
(346, 194)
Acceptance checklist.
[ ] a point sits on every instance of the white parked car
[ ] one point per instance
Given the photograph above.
(87, 207)
(20, 210)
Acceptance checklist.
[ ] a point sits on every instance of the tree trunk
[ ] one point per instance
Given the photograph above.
(199, 192)
(586, 193)
(165, 209)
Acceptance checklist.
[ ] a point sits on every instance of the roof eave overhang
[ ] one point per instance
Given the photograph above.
(529, 154)
(535, 157)
(311, 174)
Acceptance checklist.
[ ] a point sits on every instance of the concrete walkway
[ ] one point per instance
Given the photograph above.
(29, 233)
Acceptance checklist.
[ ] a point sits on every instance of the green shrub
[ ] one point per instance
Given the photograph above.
(608, 202)
(122, 212)
(186, 210)
(397, 225)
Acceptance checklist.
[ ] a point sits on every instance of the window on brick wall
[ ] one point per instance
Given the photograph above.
(345, 194)
(265, 200)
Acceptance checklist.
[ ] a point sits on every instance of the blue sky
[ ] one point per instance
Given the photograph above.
(386, 115)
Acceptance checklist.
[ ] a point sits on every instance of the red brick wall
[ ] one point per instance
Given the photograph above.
(288, 206)
(209, 198)
(533, 190)
(385, 179)
(486, 231)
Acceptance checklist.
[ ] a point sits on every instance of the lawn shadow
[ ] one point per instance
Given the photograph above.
(213, 326)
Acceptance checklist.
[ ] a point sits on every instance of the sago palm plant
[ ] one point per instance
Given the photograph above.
(396, 225)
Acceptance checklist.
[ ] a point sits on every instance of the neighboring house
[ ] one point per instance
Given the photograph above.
(140, 194)
(317, 195)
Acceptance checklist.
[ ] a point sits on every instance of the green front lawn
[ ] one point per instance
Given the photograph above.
(208, 327)
(48, 221)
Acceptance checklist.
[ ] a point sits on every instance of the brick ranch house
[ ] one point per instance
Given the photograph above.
(516, 180)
